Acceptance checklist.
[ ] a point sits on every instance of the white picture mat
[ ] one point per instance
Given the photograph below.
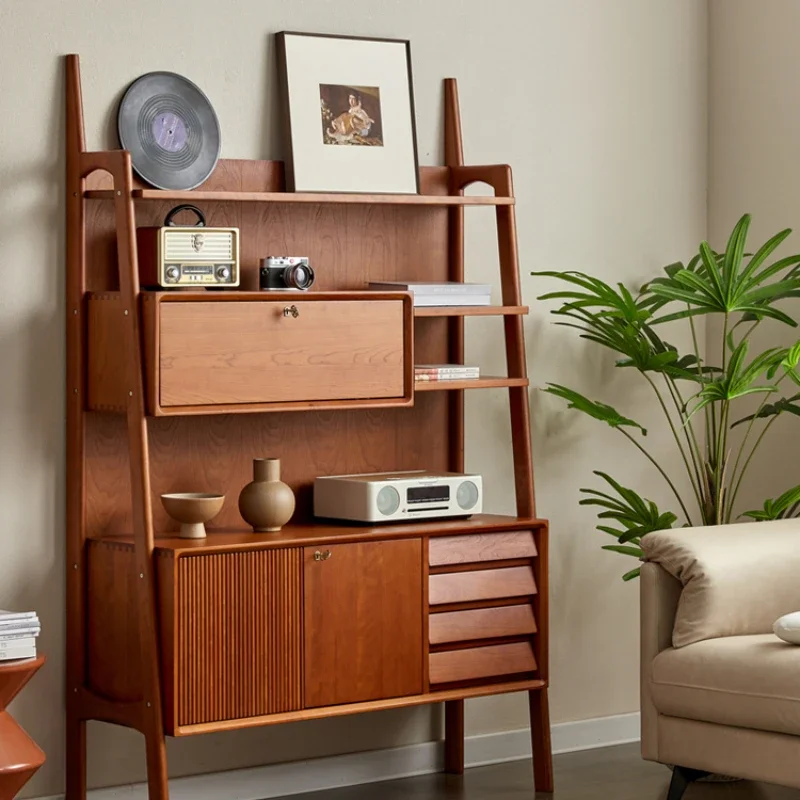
(319, 167)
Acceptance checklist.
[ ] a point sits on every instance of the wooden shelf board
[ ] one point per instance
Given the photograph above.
(470, 311)
(321, 533)
(374, 705)
(195, 196)
(488, 382)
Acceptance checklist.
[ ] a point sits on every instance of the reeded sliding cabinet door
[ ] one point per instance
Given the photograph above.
(363, 621)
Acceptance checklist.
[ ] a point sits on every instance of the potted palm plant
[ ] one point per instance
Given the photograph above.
(700, 391)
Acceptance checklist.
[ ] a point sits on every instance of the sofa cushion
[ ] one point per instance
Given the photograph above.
(737, 579)
(743, 681)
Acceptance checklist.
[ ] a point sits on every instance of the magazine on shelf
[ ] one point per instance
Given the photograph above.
(17, 653)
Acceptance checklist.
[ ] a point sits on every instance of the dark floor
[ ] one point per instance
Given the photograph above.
(613, 773)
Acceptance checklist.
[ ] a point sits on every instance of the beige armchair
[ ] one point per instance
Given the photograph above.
(719, 691)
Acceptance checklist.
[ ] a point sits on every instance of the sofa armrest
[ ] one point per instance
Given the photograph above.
(737, 579)
(659, 595)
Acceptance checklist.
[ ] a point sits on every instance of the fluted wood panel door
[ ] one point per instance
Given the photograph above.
(238, 635)
(363, 621)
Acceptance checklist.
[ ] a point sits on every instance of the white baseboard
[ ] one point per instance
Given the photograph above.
(279, 780)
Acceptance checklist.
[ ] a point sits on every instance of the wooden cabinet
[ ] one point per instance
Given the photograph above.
(265, 352)
(257, 351)
(363, 621)
(232, 636)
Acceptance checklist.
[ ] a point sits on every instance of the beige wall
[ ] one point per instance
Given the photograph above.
(754, 133)
(600, 108)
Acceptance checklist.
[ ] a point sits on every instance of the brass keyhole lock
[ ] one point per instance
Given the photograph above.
(292, 310)
(322, 555)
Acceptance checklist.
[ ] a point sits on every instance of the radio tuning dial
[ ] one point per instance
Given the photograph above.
(173, 273)
(223, 273)
(467, 495)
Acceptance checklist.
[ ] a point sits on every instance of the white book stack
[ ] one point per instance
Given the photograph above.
(18, 632)
(447, 293)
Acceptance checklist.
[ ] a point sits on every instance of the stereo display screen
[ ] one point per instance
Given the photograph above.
(428, 494)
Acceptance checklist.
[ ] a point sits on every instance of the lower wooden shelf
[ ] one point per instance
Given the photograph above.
(359, 708)
(489, 382)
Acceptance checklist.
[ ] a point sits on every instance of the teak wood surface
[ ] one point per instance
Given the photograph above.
(148, 613)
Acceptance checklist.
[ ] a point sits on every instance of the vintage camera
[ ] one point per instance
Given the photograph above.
(279, 273)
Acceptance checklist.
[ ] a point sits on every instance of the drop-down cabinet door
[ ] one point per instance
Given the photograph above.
(363, 621)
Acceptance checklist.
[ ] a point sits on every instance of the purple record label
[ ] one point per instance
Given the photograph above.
(169, 131)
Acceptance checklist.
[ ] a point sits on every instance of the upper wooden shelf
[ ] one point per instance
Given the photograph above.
(321, 533)
(299, 197)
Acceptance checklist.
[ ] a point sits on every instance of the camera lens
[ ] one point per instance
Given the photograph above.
(298, 277)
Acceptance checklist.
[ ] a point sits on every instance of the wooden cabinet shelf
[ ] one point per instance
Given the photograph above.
(303, 535)
(196, 196)
(470, 311)
(488, 382)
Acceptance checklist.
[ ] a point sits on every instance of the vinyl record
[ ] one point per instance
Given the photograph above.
(170, 129)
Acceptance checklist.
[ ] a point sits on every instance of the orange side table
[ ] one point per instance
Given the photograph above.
(20, 756)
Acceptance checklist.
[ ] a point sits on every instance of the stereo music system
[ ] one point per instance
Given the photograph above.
(398, 496)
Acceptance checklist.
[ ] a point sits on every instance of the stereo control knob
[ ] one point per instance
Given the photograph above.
(467, 495)
(173, 273)
(223, 273)
(388, 500)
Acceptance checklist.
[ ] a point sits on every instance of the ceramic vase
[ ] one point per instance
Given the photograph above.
(266, 503)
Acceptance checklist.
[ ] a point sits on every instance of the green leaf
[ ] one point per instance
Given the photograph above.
(594, 409)
(786, 405)
(625, 550)
(634, 573)
(783, 507)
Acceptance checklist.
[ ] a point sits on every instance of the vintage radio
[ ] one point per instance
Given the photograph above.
(398, 496)
(185, 256)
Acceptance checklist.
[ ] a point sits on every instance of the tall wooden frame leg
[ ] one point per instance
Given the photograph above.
(156, 749)
(540, 740)
(76, 757)
(454, 737)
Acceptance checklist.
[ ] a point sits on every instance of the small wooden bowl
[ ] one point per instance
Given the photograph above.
(193, 510)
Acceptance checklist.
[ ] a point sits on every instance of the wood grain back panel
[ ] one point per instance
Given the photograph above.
(481, 623)
(363, 621)
(348, 247)
(484, 547)
(251, 352)
(487, 584)
(453, 666)
(238, 635)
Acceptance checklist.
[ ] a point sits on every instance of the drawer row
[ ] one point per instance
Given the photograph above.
(463, 575)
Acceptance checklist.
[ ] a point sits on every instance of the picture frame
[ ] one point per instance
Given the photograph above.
(348, 108)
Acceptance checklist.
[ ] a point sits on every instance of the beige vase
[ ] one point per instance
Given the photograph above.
(267, 503)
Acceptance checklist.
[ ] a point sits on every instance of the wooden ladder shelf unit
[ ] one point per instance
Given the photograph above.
(174, 637)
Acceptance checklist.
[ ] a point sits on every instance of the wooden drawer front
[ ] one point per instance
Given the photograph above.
(238, 637)
(480, 547)
(249, 352)
(481, 662)
(481, 623)
(487, 584)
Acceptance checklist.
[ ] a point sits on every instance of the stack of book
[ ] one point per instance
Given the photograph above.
(445, 372)
(18, 632)
(448, 293)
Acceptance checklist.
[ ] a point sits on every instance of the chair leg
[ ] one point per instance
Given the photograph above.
(681, 778)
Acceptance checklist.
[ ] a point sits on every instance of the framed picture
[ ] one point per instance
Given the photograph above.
(349, 114)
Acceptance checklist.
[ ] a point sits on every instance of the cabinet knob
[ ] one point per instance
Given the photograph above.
(292, 311)
(322, 555)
